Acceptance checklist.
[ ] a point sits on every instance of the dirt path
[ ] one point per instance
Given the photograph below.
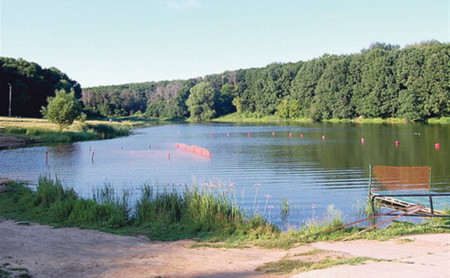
(72, 252)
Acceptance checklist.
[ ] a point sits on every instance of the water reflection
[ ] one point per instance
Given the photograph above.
(311, 165)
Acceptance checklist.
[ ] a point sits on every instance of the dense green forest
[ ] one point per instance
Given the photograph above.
(31, 85)
(382, 81)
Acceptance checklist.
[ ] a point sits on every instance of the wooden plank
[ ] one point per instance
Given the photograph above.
(410, 210)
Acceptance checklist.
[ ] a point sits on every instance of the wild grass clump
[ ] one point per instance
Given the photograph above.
(172, 214)
(162, 214)
(14, 130)
(107, 131)
(52, 203)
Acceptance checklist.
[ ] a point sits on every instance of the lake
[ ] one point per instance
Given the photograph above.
(311, 166)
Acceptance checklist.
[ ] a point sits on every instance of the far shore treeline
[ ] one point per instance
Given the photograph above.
(382, 81)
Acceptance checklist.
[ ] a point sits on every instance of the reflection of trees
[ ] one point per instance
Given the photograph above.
(343, 149)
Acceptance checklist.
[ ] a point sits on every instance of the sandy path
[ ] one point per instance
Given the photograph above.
(410, 256)
(71, 252)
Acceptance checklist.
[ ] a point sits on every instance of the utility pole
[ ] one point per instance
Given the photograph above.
(10, 97)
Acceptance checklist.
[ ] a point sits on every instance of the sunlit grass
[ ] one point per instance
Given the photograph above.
(27, 123)
(443, 120)
(42, 131)
(255, 118)
(286, 265)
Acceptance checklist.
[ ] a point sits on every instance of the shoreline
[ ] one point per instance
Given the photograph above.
(250, 118)
(8, 141)
(43, 251)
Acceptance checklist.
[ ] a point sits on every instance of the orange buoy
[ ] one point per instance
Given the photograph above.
(301, 135)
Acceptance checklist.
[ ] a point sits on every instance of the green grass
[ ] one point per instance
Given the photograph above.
(443, 120)
(310, 253)
(172, 214)
(40, 131)
(6, 271)
(219, 245)
(162, 215)
(285, 266)
(86, 132)
(256, 118)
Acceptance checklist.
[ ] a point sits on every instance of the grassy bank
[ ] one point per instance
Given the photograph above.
(171, 214)
(443, 120)
(163, 214)
(255, 118)
(36, 131)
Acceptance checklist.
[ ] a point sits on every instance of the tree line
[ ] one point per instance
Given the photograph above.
(30, 86)
(382, 81)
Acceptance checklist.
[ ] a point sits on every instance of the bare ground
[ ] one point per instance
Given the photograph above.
(73, 252)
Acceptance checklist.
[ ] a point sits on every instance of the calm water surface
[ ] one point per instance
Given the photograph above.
(263, 164)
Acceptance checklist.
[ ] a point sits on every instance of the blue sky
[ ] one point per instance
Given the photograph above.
(101, 42)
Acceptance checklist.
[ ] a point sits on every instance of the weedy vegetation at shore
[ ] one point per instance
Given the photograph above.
(178, 213)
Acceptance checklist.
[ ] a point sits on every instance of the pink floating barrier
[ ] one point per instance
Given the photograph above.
(194, 150)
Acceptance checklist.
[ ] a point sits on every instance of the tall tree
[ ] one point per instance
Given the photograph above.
(201, 102)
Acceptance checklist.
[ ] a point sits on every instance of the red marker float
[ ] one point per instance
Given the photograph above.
(437, 146)
(301, 135)
(397, 143)
(362, 141)
(290, 134)
(324, 137)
